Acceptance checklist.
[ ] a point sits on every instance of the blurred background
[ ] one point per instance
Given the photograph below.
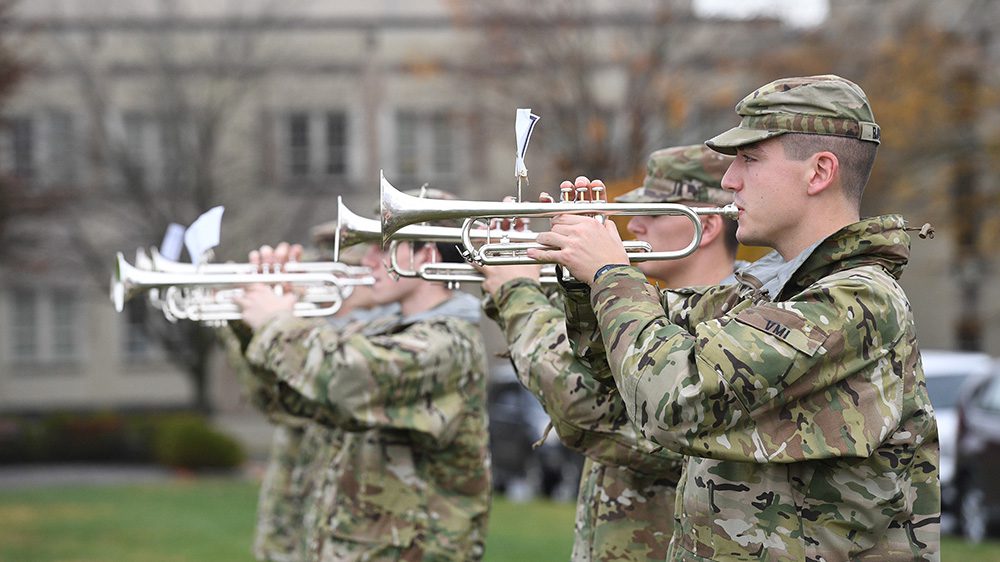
(119, 117)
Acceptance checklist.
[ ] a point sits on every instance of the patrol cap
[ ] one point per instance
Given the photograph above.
(353, 255)
(817, 105)
(690, 173)
(324, 232)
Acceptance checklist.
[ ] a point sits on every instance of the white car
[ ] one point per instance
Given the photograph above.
(945, 372)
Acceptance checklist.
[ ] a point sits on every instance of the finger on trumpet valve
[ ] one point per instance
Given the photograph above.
(581, 194)
(597, 194)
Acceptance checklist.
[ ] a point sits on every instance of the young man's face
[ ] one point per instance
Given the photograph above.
(770, 191)
(664, 233)
(386, 289)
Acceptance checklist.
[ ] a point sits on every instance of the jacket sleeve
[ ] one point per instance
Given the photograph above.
(770, 382)
(588, 416)
(414, 380)
(260, 387)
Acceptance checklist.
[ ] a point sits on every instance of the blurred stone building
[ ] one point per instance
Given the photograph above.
(136, 115)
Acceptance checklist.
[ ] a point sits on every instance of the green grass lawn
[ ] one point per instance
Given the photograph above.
(212, 520)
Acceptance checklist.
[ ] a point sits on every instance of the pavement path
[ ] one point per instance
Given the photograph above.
(13, 477)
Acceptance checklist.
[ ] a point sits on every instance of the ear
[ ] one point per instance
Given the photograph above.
(823, 171)
(711, 228)
(427, 254)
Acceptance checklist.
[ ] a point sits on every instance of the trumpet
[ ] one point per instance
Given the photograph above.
(399, 210)
(188, 293)
(157, 262)
(354, 229)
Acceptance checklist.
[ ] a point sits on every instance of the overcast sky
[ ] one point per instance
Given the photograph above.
(800, 13)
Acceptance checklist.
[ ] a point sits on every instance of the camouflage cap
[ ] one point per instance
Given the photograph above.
(352, 255)
(818, 105)
(683, 173)
(324, 232)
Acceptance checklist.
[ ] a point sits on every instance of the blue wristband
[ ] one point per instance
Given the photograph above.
(607, 267)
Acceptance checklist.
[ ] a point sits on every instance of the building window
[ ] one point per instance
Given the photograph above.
(443, 132)
(427, 148)
(407, 146)
(24, 325)
(336, 144)
(64, 325)
(19, 149)
(38, 149)
(136, 341)
(44, 326)
(159, 153)
(22, 132)
(298, 145)
(142, 164)
(60, 157)
(316, 147)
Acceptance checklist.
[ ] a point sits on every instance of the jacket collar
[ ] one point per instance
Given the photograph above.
(878, 241)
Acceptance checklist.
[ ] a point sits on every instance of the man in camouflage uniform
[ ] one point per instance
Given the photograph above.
(802, 409)
(410, 477)
(282, 498)
(287, 507)
(625, 503)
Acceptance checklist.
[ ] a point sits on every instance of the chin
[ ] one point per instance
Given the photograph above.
(655, 273)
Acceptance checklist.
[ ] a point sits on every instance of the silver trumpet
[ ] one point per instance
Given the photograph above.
(353, 229)
(192, 294)
(400, 210)
(159, 263)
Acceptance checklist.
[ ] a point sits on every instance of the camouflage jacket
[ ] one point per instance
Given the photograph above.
(282, 500)
(803, 412)
(410, 478)
(287, 515)
(627, 489)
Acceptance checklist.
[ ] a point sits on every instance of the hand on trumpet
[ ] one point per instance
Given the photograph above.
(497, 275)
(260, 303)
(580, 243)
(269, 259)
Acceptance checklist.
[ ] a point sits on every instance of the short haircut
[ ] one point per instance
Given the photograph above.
(449, 252)
(856, 158)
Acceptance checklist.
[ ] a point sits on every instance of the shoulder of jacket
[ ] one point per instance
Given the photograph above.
(871, 276)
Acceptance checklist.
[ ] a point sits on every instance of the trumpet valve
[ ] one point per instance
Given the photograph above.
(581, 194)
(598, 194)
(565, 194)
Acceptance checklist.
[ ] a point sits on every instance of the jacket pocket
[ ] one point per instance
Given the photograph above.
(379, 498)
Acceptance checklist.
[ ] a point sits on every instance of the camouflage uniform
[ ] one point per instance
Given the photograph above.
(286, 510)
(802, 409)
(626, 494)
(409, 477)
(625, 503)
(278, 536)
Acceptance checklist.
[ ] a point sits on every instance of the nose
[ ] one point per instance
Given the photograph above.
(636, 224)
(730, 180)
